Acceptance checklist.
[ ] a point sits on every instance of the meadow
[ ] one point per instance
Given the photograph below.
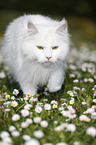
(67, 117)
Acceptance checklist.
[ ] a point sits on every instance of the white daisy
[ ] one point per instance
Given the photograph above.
(64, 125)
(90, 110)
(26, 137)
(76, 143)
(15, 133)
(38, 133)
(39, 104)
(55, 122)
(72, 116)
(7, 97)
(84, 103)
(90, 80)
(26, 98)
(94, 106)
(28, 94)
(54, 102)
(58, 128)
(37, 119)
(82, 117)
(47, 107)
(71, 101)
(91, 131)
(4, 134)
(7, 140)
(71, 127)
(12, 128)
(32, 99)
(32, 142)
(66, 113)
(15, 92)
(15, 117)
(54, 106)
(72, 75)
(94, 100)
(2, 75)
(26, 107)
(12, 98)
(7, 110)
(44, 123)
(24, 112)
(61, 108)
(93, 115)
(75, 81)
(72, 110)
(38, 109)
(24, 124)
(14, 103)
(29, 120)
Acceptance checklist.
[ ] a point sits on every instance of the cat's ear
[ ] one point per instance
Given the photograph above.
(63, 27)
(31, 28)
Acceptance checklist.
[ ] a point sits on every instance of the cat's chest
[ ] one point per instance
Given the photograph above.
(42, 76)
(39, 74)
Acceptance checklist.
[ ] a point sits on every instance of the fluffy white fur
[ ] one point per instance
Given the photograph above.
(29, 65)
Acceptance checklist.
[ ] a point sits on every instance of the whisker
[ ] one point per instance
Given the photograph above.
(67, 67)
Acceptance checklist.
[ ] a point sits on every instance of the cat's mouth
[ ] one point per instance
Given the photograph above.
(47, 63)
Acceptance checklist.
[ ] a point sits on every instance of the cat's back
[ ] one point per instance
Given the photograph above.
(35, 19)
(18, 27)
(38, 19)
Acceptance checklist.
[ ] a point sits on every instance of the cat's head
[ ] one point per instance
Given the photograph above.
(46, 43)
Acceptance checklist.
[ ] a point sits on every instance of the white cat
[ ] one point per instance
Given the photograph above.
(35, 49)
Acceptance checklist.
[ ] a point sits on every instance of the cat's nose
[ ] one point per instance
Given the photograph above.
(48, 58)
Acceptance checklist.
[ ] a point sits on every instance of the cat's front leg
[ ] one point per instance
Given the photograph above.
(28, 88)
(55, 81)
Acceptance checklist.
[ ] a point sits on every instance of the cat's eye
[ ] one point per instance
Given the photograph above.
(39, 47)
(55, 47)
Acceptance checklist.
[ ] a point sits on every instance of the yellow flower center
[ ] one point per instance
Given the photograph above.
(61, 109)
(32, 99)
(16, 118)
(26, 99)
(91, 132)
(70, 94)
(13, 104)
(83, 118)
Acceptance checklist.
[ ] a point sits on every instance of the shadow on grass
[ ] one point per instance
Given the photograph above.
(11, 84)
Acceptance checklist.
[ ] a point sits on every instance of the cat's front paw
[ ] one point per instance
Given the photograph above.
(53, 88)
(32, 92)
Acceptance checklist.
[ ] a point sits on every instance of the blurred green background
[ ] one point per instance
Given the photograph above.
(80, 15)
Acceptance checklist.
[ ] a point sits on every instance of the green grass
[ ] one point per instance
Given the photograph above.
(82, 63)
(51, 135)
